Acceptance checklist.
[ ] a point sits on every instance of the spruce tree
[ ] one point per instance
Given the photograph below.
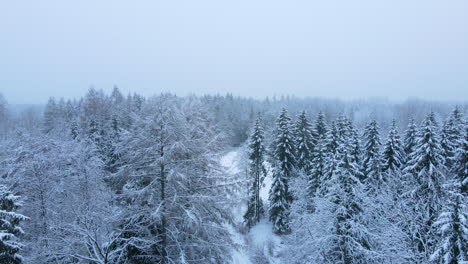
(319, 167)
(410, 138)
(9, 227)
(446, 144)
(257, 173)
(350, 236)
(392, 156)
(451, 135)
(332, 139)
(452, 224)
(426, 168)
(304, 141)
(319, 155)
(355, 144)
(330, 147)
(460, 163)
(371, 163)
(280, 196)
(320, 128)
(452, 228)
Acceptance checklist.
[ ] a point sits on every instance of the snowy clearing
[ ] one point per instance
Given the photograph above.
(260, 239)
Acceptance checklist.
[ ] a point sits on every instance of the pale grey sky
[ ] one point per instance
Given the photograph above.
(331, 48)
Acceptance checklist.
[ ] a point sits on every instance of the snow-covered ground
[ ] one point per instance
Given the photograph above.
(260, 243)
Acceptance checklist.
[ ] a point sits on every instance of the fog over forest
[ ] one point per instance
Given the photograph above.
(234, 132)
(124, 178)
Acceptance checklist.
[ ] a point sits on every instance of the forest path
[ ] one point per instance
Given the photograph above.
(260, 244)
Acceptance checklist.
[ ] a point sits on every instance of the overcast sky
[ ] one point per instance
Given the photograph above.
(340, 49)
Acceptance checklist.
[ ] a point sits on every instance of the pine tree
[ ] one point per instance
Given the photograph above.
(9, 227)
(392, 156)
(350, 238)
(50, 115)
(448, 147)
(319, 166)
(452, 224)
(319, 155)
(355, 144)
(410, 138)
(257, 172)
(371, 163)
(451, 134)
(280, 196)
(332, 139)
(304, 141)
(452, 227)
(330, 147)
(320, 128)
(426, 168)
(460, 163)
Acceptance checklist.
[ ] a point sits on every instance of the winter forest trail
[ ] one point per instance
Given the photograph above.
(260, 244)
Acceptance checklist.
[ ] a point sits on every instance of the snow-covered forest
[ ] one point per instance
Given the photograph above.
(127, 179)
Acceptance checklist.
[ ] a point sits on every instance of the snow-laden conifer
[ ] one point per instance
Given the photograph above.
(257, 173)
(409, 141)
(371, 162)
(304, 139)
(427, 171)
(10, 230)
(280, 196)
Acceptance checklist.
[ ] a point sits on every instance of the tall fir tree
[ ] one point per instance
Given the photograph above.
(319, 155)
(304, 139)
(460, 163)
(427, 171)
(451, 135)
(448, 147)
(392, 156)
(284, 165)
(409, 141)
(355, 144)
(452, 224)
(320, 127)
(452, 228)
(350, 236)
(10, 229)
(371, 162)
(257, 173)
(319, 167)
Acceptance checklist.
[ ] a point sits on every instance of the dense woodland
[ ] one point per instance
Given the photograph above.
(125, 179)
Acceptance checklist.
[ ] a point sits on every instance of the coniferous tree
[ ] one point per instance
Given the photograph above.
(371, 162)
(350, 241)
(452, 228)
(304, 141)
(392, 156)
(460, 163)
(355, 151)
(452, 224)
(319, 166)
(451, 135)
(257, 173)
(320, 128)
(280, 196)
(319, 155)
(410, 138)
(50, 115)
(427, 171)
(448, 146)
(10, 229)
(331, 144)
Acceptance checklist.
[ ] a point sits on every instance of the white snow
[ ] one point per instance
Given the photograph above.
(261, 237)
(230, 163)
